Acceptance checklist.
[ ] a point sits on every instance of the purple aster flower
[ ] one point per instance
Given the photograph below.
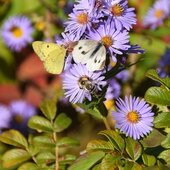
(79, 83)
(113, 90)
(123, 76)
(82, 18)
(136, 49)
(164, 64)
(5, 116)
(116, 41)
(16, 32)
(134, 117)
(21, 112)
(157, 14)
(123, 16)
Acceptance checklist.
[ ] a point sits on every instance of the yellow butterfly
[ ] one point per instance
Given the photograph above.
(51, 54)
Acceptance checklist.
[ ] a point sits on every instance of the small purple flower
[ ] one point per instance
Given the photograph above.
(79, 83)
(113, 90)
(116, 41)
(134, 117)
(16, 32)
(123, 76)
(156, 14)
(21, 112)
(5, 117)
(82, 18)
(164, 64)
(123, 16)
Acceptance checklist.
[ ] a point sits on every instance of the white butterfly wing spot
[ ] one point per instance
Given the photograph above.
(91, 53)
(98, 61)
(82, 51)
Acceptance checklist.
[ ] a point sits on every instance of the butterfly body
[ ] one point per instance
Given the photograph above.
(91, 53)
(51, 54)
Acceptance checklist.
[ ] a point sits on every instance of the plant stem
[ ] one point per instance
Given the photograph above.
(56, 152)
(106, 123)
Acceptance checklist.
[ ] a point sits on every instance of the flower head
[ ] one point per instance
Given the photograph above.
(114, 40)
(5, 116)
(21, 111)
(123, 16)
(113, 90)
(79, 83)
(157, 14)
(82, 18)
(16, 32)
(133, 117)
(164, 64)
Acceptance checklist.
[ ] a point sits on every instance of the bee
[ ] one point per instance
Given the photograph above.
(88, 84)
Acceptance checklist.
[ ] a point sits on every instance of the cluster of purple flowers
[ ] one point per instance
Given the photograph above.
(17, 32)
(107, 22)
(16, 115)
(157, 14)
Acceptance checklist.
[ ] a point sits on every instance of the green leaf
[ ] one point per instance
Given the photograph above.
(92, 111)
(62, 122)
(68, 159)
(162, 120)
(158, 95)
(148, 160)
(67, 141)
(40, 123)
(152, 74)
(165, 155)
(87, 161)
(45, 158)
(49, 108)
(133, 148)
(166, 143)
(131, 166)
(114, 138)
(28, 166)
(110, 162)
(15, 157)
(44, 142)
(14, 138)
(100, 145)
(153, 139)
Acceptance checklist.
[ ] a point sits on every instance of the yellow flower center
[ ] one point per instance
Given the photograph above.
(159, 13)
(18, 118)
(40, 25)
(109, 104)
(82, 18)
(117, 10)
(17, 32)
(107, 41)
(133, 117)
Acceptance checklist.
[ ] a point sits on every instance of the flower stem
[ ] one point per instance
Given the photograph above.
(106, 123)
(56, 152)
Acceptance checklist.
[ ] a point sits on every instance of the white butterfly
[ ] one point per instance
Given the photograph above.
(90, 52)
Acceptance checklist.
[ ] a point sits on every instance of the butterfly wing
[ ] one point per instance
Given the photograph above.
(51, 54)
(91, 53)
(83, 50)
(97, 62)
(37, 48)
(54, 63)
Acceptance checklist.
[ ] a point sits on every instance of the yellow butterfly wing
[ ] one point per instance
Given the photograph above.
(54, 63)
(37, 49)
(51, 54)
